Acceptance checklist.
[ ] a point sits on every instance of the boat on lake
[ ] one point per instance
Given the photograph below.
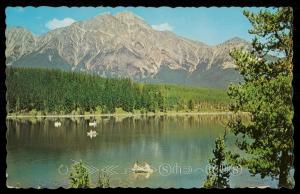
(142, 168)
(93, 124)
(57, 124)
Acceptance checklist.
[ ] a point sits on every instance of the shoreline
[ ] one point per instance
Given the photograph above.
(124, 114)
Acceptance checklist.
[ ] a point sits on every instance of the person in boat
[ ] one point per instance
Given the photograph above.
(147, 166)
(57, 123)
(142, 168)
(93, 123)
(135, 165)
(57, 120)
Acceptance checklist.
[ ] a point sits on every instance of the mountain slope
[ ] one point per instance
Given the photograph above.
(124, 45)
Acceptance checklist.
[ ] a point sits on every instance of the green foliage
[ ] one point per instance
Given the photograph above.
(219, 172)
(103, 180)
(191, 104)
(18, 105)
(79, 177)
(59, 92)
(267, 95)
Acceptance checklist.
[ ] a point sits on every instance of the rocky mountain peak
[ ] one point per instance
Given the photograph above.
(131, 19)
(235, 41)
(126, 15)
(121, 45)
(19, 42)
(102, 16)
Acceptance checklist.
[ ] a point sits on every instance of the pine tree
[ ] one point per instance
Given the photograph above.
(218, 172)
(191, 104)
(18, 108)
(161, 102)
(267, 94)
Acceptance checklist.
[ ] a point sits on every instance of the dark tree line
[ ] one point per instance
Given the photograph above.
(54, 91)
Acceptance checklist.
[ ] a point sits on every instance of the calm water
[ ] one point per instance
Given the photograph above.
(177, 147)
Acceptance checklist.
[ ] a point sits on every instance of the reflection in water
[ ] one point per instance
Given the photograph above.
(36, 149)
(92, 134)
(141, 176)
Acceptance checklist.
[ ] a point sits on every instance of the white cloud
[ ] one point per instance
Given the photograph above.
(55, 23)
(163, 27)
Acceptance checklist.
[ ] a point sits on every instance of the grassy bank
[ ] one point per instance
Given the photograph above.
(120, 114)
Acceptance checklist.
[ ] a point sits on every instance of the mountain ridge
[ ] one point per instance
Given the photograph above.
(124, 45)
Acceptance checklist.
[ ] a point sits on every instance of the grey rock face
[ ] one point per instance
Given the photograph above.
(124, 45)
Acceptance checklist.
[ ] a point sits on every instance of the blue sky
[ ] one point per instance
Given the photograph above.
(209, 25)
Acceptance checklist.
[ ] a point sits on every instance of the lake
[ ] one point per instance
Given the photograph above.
(177, 147)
